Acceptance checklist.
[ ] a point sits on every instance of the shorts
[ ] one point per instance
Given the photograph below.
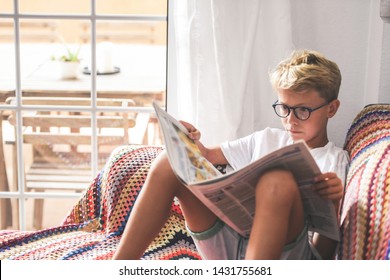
(221, 242)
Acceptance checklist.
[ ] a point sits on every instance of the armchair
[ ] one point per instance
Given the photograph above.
(93, 227)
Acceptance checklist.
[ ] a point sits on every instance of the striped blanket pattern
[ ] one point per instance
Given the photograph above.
(93, 227)
(366, 209)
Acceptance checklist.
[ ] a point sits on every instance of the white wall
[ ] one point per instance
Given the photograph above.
(384, 88)
(349, 32)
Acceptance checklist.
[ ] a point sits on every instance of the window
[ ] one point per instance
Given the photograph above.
(77, 80)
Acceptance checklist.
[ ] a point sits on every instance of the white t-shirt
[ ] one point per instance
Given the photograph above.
(250, 148)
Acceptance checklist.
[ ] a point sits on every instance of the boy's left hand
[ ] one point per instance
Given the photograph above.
(328, 185)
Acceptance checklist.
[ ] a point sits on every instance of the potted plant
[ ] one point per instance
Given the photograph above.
(69, 63)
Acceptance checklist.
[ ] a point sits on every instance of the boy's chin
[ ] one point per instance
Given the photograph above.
(296, 138)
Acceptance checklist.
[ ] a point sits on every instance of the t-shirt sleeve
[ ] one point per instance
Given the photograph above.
(243, 151)
(341, 165)
(238, 152)
(332, 159)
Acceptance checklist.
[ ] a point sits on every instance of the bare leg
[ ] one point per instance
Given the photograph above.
(279, 217)
(151, 210)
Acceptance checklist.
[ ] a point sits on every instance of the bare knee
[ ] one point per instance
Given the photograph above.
(160, 164)
(278, 183)
(198, 216)
(277, 192)
(161, 173)
(278, 216)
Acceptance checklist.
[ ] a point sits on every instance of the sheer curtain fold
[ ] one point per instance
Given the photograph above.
(224, 50)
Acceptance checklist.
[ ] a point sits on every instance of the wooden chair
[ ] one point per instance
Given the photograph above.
(31, 31)
(61, 149)
(121, 32)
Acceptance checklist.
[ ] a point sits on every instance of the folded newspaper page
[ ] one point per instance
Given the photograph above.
(232, 196)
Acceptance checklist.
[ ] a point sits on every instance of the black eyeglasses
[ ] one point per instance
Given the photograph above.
(302, 113)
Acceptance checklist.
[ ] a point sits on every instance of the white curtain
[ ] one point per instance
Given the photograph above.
(220, 53)
(224, 50)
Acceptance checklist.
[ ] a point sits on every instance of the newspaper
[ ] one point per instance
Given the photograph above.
(231, 196)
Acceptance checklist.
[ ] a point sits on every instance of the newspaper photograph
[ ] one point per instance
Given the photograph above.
(231, 196)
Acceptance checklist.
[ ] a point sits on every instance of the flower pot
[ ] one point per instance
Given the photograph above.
(69, 69)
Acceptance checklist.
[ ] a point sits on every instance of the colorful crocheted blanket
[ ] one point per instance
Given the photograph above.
(366, 209)
(93, 228)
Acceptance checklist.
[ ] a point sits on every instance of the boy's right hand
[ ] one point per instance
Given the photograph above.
(213, 154)
(193, 132)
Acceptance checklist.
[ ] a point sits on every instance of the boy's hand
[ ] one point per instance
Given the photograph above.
(193, 133)
(329, 185)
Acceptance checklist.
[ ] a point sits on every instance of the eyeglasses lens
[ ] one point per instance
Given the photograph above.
(283, 111)
(301, 113)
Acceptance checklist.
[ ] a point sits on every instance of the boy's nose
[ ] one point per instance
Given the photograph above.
(292, 118)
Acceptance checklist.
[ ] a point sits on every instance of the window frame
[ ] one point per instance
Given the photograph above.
(20, 195)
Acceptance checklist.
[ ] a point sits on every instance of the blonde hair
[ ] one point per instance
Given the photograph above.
(306, 70)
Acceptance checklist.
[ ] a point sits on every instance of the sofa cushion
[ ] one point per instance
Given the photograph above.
(365, 215)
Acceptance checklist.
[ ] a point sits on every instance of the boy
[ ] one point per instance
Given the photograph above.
(307, 85)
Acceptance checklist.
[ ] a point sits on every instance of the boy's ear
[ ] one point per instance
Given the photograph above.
(333, 107)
